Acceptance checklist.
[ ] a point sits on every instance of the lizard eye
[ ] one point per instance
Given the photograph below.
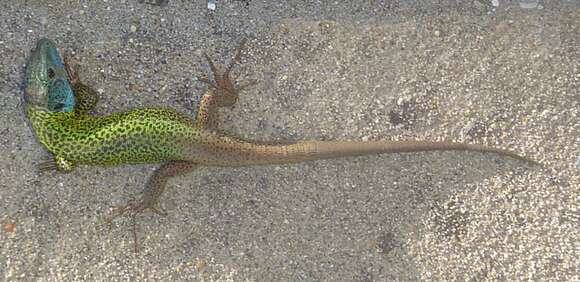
(57, 107)
(51, 73)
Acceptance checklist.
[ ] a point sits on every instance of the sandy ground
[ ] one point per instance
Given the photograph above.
(371, 70)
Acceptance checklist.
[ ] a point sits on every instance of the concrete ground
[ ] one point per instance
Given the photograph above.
(502, 75)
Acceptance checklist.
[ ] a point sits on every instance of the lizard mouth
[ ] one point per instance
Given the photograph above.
(36, 77)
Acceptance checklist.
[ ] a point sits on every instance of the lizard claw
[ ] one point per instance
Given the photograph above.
(57, 164)
(226, 92)
(47, 165)
(72, 69)
(133, 208)
(159, 210)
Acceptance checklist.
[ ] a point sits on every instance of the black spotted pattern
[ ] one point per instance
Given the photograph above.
(136, 136)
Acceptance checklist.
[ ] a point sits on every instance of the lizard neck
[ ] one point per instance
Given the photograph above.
(48, 126)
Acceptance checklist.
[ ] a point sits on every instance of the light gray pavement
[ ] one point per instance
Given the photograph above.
(372, 70)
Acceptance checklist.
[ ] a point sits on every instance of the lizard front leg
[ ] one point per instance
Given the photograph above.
(85, 96)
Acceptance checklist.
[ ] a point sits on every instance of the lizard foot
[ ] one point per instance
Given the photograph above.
(226, 92)
(133, 208)
(149, 199)
(48, 165)
(57, 164)
(86, 97)
(72, 69)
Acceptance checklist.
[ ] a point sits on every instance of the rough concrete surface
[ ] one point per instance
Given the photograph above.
(467, 71)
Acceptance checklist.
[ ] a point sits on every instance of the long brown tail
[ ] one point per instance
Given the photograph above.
(249, 153)
(334, 149)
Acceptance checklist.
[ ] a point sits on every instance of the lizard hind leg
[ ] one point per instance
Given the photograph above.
(222, 91)
(149, 199)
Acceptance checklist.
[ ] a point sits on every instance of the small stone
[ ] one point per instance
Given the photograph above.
(529, 4)
(9, 227)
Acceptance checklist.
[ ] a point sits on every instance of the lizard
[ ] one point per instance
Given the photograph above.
(58, 106)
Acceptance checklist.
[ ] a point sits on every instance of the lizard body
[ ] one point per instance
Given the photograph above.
(163, 135)
(153, 135)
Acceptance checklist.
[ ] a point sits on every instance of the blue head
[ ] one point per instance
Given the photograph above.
(47, 83)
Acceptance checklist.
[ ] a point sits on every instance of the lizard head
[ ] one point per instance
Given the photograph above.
(47, 82)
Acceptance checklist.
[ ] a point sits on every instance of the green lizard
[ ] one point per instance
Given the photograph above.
(163, 135)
